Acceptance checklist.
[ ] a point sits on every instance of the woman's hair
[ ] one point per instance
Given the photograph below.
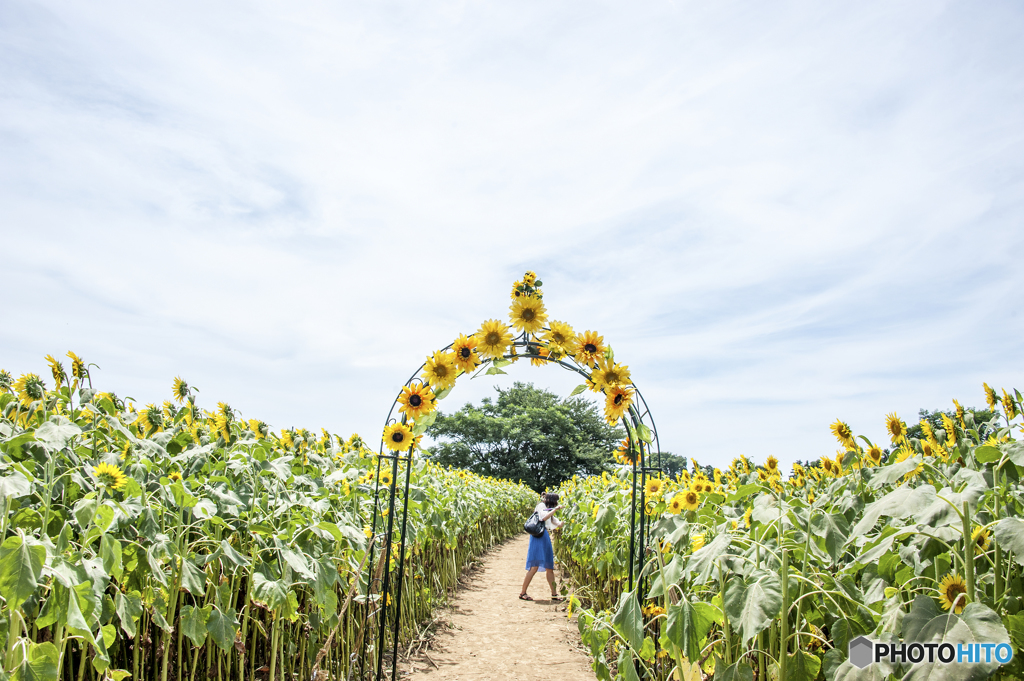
(550, 499)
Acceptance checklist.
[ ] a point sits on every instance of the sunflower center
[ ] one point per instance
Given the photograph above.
(415, 400)
(590, 347)
(618, 399)
(528, 315)
(493, 338)
(440, 371)
(611, 377)
(397, 437)
(465, 353)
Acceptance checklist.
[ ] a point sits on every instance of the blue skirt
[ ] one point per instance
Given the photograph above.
(540, 554)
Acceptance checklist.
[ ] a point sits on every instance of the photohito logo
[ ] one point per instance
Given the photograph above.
(863, 651)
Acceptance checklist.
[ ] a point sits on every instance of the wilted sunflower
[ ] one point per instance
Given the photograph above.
(842, 432)
(398, 437)
(608, 374)
(464, 351)
(1008, 406)
(57, 369)
(560, 333)
(30, 388)
(654, 487)
(697, 542)
(677, 504)
(439, 370)
(991, 398)
(180, 390)
(617, 403)
(493, 338)
(417, 400)
(953, 591)
(875, 455)
(981, 540)
(896, 427)
(691, 499)
(528, 314)
(589, 347)
(109, 476)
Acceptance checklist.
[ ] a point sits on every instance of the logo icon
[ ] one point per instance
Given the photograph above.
(861, 652)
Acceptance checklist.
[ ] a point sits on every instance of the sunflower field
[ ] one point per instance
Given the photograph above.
(752, 576)
(167, 542)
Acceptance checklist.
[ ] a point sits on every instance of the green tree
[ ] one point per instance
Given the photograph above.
(526, 434)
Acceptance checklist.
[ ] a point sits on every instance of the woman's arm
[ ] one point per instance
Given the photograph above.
(551, 512)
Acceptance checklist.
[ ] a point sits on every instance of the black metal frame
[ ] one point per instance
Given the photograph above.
(379, 615)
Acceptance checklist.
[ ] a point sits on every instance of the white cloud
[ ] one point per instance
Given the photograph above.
(777, 215)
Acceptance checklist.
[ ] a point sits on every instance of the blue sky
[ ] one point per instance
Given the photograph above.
(776, 214)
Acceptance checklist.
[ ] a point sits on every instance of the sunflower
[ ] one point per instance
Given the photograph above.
(691, 499)
(616, 403)
(417, 400)
(57, 369)
(926, 430)
(842, 432)
(560, 333)
(810, 497)
(528, 314)
(464, 351)
(439, 370)
(30, 388)
(1008, 406)
(875, 455)
(286, 438)
(385, 477)
(929, 448)
(827, 466)
(950, 428)
(109, 476)
(772, 464)
(990, 396)
(78, 370)
(746, 516)
(220, 423)
(537, 355)
(798, 481)
(654, 487)
(398, 437)
(5, 381)
(150, 420)
(493, 339)
(608, 374)
(259, 428)
(589, 346)
(896, 427)
(677, 504)
(981, 540)
(953, 592)
(697, 542)
(180, 390)
(174, 476)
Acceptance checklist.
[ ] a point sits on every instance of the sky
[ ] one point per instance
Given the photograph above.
(778, 214)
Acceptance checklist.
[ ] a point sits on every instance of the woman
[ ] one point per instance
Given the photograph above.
(541, 556)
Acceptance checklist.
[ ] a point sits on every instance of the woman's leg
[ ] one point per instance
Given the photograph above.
(529, 575)
(550, 574)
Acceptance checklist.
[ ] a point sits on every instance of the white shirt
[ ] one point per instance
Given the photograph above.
(551, 523)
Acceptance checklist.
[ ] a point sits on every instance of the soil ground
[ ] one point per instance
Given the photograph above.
(491, 634)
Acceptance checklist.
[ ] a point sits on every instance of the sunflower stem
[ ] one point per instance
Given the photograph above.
(968, 554)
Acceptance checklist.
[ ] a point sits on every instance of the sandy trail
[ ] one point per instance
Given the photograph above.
(494, 635)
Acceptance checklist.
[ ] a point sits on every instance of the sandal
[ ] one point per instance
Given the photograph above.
(525, 597)
(555, 598)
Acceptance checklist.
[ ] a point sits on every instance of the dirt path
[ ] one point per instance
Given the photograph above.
(494, 635)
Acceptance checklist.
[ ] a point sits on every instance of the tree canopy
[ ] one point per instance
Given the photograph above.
(526, 434)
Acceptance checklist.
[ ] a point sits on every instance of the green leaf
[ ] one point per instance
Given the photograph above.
(1009, 533)
(494, 371)
(987, 454)
(441, 394)
(425, 422)
(802, 666)
(55, 436)
(686, 627)
(740, 671)
(899, 503)
(925, 623)
(39, 665)
(21, 566)
(272, 592)
(192, 579)
(14, 485)
(705, 561)
(193, 623)
(628, 621)
(577, 390)
(110, 554)
(129, 609)
(644, 433)
(501, 363)
(834, 529)
(222, 627)
(627, 666)
(751, 604)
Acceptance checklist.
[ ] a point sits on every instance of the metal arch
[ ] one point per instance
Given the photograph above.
(379, 616)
